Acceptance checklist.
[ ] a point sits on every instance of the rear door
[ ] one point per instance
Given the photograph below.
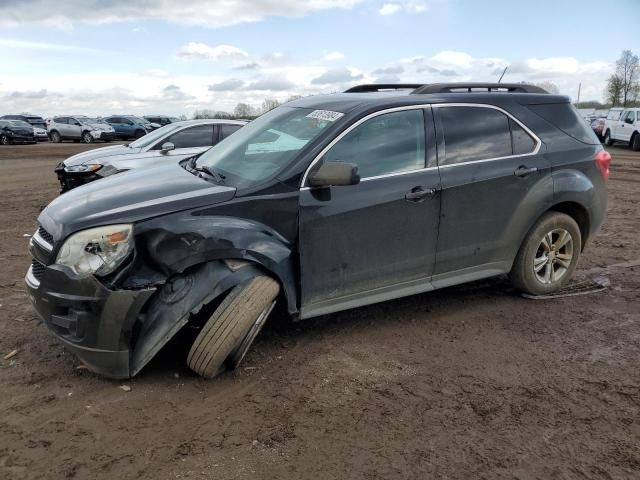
(375, 240)
(61, 124)
(489, 162)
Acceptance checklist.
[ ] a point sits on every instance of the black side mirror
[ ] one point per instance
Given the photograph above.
(335, 173)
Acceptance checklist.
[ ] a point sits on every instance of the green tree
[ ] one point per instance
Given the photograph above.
(628, 72)
(269, 104)
(613, 91)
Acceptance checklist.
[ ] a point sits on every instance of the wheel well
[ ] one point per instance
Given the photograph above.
(578, 213)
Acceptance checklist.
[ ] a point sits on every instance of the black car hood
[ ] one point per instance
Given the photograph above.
(130, 197)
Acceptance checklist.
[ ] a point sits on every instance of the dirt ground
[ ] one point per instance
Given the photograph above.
(463, 383)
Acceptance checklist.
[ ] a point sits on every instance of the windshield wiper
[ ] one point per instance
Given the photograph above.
(219, 178)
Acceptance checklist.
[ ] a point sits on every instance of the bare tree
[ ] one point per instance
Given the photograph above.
(548, 86)
(628, 70)
(613, 91)
(244, 110)
(269, 104)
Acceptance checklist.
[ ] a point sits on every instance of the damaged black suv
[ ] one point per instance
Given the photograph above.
(324, 204)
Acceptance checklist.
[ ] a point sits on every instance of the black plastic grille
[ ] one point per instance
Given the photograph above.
(37, 269)
(45, 235)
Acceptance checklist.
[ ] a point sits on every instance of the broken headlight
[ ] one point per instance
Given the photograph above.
(97, 250)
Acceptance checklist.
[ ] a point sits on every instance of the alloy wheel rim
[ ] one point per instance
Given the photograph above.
(553, 256)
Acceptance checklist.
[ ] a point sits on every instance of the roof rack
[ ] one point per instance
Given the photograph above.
(377, 87)
(478, 86)
(420, 88)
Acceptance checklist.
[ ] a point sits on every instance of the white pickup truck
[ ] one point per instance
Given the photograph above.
(623, 126)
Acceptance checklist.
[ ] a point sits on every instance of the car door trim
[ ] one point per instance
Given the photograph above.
(422, 106)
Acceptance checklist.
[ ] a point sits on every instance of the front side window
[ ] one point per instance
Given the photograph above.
(200, 136)
(631, 117)
(388, 143)
(263, 147)
(474, 133)
(62, 120)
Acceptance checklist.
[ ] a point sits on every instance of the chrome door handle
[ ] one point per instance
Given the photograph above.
(418, 194)
(523, 171)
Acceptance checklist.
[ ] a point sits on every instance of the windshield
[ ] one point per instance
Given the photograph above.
(263, 147)
(153, 137)
(88, 120)
(138, 120)
(19, 123)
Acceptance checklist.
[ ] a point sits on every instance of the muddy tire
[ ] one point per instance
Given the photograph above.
(635, 142)
(55, 137)
(548, 256)
(226, 330)
(608, 141)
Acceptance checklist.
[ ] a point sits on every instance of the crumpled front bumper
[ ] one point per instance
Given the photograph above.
(93, 322)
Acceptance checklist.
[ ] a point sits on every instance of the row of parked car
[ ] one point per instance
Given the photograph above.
(617, 125)
(16, 129)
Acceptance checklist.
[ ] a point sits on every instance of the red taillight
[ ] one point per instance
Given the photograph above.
(603, 160)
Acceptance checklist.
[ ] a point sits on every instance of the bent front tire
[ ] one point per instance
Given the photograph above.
(548, 256)
(231, 329)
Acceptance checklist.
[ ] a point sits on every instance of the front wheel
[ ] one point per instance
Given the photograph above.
(5, 140)
(608, 141)
(87, 138)
(548, 256)
(635, 142)
(229, 332)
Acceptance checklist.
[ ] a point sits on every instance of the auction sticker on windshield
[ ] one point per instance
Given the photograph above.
(325, 115)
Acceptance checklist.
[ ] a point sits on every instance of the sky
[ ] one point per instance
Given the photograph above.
(101, 57)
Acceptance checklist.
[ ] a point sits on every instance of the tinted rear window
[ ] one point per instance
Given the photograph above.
(566, 118)
(474, 133)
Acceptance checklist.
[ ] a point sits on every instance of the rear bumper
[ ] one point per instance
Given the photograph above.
(90, 320)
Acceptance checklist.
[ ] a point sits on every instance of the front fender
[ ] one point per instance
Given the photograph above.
(171, 306)
(171, 244)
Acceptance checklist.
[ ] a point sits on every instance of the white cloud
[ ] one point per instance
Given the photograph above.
(407, 7)
(332, 56)
(209, 14)
(202, 51)
(336, 75)
(389, 9)
(51, 47)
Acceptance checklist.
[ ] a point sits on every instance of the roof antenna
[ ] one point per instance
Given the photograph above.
(503, 72)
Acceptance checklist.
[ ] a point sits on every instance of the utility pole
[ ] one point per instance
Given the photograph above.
(503, 72)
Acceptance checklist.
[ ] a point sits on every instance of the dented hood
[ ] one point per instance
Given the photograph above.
(130, 197)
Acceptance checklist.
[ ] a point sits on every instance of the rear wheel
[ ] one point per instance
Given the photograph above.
(548, 256)
(87, 138)
(229, 332)
(5, 140)
(635, 142)
(608, 141)
(55, 137)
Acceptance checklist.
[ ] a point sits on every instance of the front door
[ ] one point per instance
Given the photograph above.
(376, 240)
(490, 165)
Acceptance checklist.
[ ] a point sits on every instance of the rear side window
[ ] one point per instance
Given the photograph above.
(474, 133)
(566, 118)
(227, 129)
(200, 136)
(522, 142)
(388, 143)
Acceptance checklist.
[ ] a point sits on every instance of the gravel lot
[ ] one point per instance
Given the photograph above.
(467, 382)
